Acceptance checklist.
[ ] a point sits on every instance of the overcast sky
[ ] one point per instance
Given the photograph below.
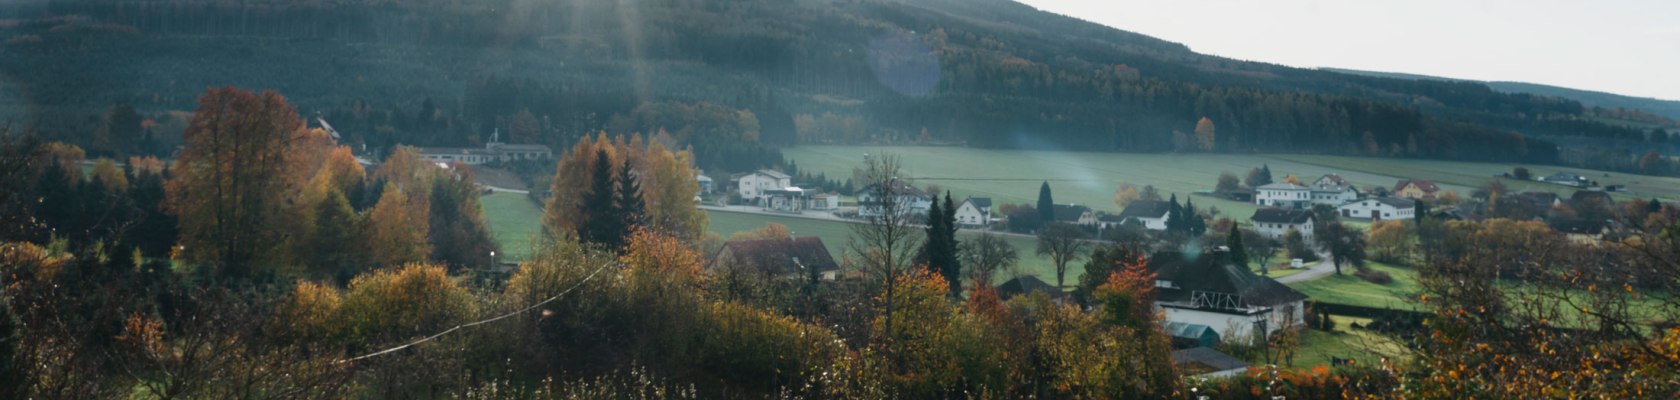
(1627, 47)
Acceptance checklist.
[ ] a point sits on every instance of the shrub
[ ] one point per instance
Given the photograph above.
(1374, 276)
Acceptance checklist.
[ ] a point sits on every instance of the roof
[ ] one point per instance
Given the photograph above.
(518, 147)
(1206, 356)
(455, 151)
(1584, 195)
(1564, 176)
(1027, 284)
(1281, 186)
(1540, 198)
(981, 202)
(1213, 272)
(1581, 226)
(771, 254)
(773, 173)
(1331, 179)
(1422, 184)
(1146, 209)
(1070, 212)
(702, 178)
(1396, 202)
(1187, 331)
(1282, 216)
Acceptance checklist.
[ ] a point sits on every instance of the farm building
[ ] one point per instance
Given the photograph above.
(1380, 208)
(1273, 223)
(1208, 289)
(1332, 190)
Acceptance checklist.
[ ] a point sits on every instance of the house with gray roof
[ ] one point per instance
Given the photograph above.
(1209, 289)
(1379, 209)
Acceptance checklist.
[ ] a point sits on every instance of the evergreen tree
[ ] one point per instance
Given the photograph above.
(1653, 206)
(1046, 205)
(940, 249)
(1234, 247)
(1265, 175)
(1175, 216)
(603, 226)
(627, 206)
(1193, 223)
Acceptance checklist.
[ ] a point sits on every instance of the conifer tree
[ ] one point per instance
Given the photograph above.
(602, 224)
(1046, 204)
(940, 249)
(627, 205)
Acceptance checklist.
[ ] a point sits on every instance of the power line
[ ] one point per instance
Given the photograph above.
(480, 322)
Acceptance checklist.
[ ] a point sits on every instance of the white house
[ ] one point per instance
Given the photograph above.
(704, 181)
(1273, 223)
(1380, 208)
(908, 198)
(1074, 214)
(752, 185)
(975, 211)
(1152, 214)
(1332, 190)
(1208, 289)
(1283, 195)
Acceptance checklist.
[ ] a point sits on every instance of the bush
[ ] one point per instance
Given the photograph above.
(1374, 276)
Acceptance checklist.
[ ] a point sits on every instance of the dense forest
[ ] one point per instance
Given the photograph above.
(737, 79)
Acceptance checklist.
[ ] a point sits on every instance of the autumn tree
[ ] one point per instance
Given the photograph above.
(231, 185)
(884, 245)
(108, 176)
(1390, 241)
(1125, 195)
(396, 232)
(666, 180)
(1063, 243)
(986, 256)
(1205, 135)
(1104, 261)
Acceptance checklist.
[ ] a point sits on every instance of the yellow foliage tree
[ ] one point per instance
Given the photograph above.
(107, 175)
(394, 234)
(1205, 134)
(1125, 195)
(768, 231)
(667, 179)
(401, 303)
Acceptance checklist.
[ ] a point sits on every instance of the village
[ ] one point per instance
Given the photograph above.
(1209, 298)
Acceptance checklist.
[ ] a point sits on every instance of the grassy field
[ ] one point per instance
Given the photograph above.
(1090, 178)
(1317, 347)
(514, 220)
(1469, 174)
(1349, 289)
(835, 235)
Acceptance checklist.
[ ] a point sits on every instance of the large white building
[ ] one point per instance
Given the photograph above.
(1208, 289)
(1283, 195)
(1273, 223)
(492, 152)
(1380, 208)
(1332, 190)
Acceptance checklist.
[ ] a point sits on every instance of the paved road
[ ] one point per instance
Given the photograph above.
(1322, 269)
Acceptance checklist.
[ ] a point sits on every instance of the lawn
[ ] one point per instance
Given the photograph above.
(1367, 347)
(1349, 289)
(514, 220)
(835, 235)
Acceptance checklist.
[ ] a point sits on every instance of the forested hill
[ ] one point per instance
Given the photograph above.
(1668, 110)
(737, 78)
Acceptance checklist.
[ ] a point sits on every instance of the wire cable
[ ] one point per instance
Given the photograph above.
(480, 322)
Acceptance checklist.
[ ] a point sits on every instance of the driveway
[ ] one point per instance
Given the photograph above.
(1322, 269)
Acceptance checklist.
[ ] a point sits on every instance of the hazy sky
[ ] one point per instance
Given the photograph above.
(1627, 47)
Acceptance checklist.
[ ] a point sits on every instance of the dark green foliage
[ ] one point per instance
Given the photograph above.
(1296, 245)
(939, 250)
(1345, 245)
(603, 228)
(1046, 205)
(13, 380)
(336, 246)
(154, 230)
(1234, 244)
(627, 201)
(457, 234)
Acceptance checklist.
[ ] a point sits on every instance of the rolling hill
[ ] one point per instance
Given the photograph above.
(1667, 108)
(738, 79)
